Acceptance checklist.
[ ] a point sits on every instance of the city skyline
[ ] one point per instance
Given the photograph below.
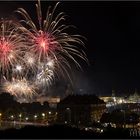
(80, 80)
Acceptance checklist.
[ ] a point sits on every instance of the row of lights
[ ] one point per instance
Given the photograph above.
(26, 118)
(35, 116)
(20, 115)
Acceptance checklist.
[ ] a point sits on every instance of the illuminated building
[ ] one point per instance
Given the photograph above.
(135, 98)
(51, 100)
(80, 109)
(116, 100)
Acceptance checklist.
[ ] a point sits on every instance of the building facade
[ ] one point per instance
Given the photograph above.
(80, 109)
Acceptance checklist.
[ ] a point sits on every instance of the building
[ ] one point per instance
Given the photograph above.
(132, 107)
(80, 109)
(11, 110)
(113, 100)
(119, 102)
(53, 101)
(135, 98)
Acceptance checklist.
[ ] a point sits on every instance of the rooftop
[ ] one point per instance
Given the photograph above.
(82, 99)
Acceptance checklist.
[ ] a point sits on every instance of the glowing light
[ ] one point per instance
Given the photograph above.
(114, 99)
(20, 115)
(120, 101)
(0, 114)
(50, 112)
(26, 118)
(35, 116)
(102, 130)
(19, 68)
(43, 114)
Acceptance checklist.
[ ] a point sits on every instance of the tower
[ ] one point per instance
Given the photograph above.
(136, 96)
(113, 93)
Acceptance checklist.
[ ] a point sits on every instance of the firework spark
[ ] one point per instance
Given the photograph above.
(49, 38)
(19, 88)
(11, 46)
(30, 64)
(45, 75)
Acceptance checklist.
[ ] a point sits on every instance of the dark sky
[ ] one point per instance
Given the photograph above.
(112, 30)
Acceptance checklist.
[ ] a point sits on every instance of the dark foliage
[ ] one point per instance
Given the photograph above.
(62, 131)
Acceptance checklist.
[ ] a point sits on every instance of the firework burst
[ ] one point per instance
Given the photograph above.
(37, 52)
(11, 46)
(45, 75)
(49, 38)
(19, 88)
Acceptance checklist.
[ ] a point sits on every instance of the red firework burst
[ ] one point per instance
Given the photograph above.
(11, 46)
(5, 50)
(44, 44)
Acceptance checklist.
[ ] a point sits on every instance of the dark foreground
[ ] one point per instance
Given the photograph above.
(60, 131)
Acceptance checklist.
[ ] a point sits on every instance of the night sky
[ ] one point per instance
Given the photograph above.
(112, 30)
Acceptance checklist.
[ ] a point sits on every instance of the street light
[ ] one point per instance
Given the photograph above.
(124, 117)
(35, 117)
(20, 115)
(26, 118)
(0, 116)
(43, 114)
(12, 117)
